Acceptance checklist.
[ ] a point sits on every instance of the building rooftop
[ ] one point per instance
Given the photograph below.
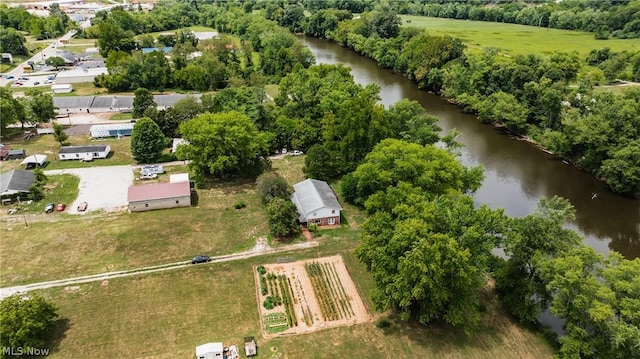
(158, 191)
(311, 195)
(16, 181)
(94, 71)
(81, 149)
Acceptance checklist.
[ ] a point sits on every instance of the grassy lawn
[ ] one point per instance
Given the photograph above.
(518, 39)
(121, 117)
(166, 315)
(46, 144)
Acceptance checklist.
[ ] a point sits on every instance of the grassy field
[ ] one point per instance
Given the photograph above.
(167, 314)
(121, 117)
(190, 28)
(46, 144)
(518, 39)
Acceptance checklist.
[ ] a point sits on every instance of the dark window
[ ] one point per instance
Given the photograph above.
(177, 202)
(146, 204)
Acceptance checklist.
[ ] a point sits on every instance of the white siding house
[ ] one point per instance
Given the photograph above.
(316, 203)
(86, 153)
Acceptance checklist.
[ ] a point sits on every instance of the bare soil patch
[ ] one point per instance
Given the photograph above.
(309, 295)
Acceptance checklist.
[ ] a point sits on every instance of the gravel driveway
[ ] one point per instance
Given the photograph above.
(101, 187)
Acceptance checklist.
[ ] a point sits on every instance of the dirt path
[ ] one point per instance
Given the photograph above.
(261, 248)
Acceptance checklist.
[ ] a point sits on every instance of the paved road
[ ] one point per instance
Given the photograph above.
(261, 248)
(39, 56)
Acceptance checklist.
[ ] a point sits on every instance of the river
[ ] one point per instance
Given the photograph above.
(517, 174)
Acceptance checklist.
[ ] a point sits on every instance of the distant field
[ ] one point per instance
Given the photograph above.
(518, 39)
(190, 28)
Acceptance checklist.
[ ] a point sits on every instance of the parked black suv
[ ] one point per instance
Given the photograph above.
(200, 259)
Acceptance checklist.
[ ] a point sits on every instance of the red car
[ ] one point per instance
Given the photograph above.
(61, 207)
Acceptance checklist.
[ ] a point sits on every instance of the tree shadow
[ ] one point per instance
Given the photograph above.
(194, 198)
(58, 334)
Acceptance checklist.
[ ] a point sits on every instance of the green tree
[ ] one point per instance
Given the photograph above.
(147, 141)
(111, 37)
(142, 101)
(59, 134)
(55, 61)
(11, 110)
(41, 106)
(224, 144)
(27, 321)
(432, 169)
(428, 257)
(270, 186)
(12, 41)
(283, 218)
(622, 170)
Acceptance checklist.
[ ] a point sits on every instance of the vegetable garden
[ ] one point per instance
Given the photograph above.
(301, 297)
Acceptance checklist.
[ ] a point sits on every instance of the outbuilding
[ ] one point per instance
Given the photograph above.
(34, 161)
(85, 153)
(159, 196)
(179, 177)
(316, 203)
(16, 182)
(210, 351)
(61, 88)
(14, 154)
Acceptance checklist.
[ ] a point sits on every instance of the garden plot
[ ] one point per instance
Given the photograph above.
(306, 296)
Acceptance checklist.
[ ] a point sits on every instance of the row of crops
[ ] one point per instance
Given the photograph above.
(278, 291)
(332, 298)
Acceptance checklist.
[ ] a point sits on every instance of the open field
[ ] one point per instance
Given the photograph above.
(101, 242)
(166, 315)
(308, 296)
(46, 144)
(518, 39)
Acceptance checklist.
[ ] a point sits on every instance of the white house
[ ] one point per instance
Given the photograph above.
(316, 203)
(111, 130)
(210, 351)
(85, 153)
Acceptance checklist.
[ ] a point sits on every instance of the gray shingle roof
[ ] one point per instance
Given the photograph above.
(81, 149)
(73, 101)
(311, 195)
(16, 181)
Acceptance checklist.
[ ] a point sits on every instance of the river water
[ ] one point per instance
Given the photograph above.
(517, 174)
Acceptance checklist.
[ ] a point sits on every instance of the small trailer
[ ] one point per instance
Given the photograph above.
(250, 347)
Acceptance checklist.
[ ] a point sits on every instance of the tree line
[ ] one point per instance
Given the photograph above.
(15, 20)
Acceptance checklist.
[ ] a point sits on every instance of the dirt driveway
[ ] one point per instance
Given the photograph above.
(101, 187)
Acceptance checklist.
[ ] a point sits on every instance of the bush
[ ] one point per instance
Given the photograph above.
(240, 205)
(270, 185)
(383, 323)
(313, 228)
(268, 303)
(261, 270)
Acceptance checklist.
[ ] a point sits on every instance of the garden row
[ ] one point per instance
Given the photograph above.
(329, 291)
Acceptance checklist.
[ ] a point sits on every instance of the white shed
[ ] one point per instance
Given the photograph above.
(85, 153)
(179, 177)
(61, 88)
(210, 351)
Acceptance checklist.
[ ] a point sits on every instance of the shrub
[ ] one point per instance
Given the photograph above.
(240, 205)
(270, 185)
(383, 323)
(268, 303)
(313, 228)
(261, 270)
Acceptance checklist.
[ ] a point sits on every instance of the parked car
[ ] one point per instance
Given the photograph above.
(297, 153)
(9, 77)
(61, 207)
(82, 207)
(148, 176)
(23, 78)
(284, 151)
(200, 259)
(48, 208)
(48, 82)
(36, 83)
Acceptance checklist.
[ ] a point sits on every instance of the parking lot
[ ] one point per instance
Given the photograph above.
(33, 81)
(103, 188)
